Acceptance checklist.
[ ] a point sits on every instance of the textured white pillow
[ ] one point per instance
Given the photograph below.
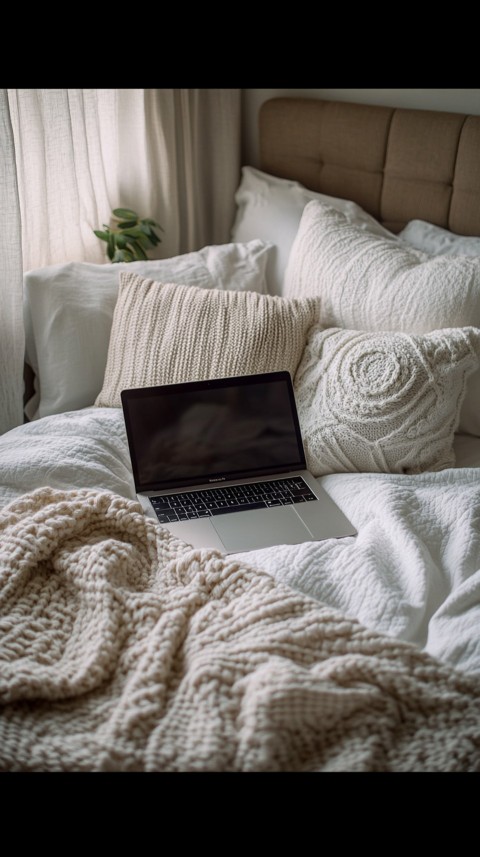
(437, 241)
(386, 402)
(271, 208)
(167, 334)
(69, 310)
(367, 283)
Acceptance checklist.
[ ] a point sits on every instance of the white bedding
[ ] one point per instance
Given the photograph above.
(412, 572)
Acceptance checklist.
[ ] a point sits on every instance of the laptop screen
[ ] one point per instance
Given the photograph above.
(211, 431)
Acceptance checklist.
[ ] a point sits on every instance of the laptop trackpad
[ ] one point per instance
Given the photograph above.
(260, 528)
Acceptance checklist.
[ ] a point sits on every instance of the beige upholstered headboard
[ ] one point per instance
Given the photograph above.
(399, 165)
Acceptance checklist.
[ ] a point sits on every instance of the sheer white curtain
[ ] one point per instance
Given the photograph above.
(65, 142)
(12, 340)
(169, 154)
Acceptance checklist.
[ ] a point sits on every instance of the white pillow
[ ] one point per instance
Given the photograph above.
(69, 311)
(367, 283)
(271, 208)
(437, 241)
(382, 402)
(165, 333)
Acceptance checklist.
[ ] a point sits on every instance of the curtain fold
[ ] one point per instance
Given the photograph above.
(65, 149)
(12, 338)
(75, 154)
(179, 160)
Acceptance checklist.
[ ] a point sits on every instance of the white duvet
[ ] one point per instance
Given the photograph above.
(413, 571)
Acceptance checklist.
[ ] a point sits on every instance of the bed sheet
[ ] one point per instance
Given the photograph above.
(413, 570)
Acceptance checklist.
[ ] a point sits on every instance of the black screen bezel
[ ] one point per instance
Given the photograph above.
(128, 398)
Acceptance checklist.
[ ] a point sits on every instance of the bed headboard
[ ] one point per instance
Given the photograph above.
(397, 164)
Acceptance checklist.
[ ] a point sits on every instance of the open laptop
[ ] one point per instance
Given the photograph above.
(221, 464)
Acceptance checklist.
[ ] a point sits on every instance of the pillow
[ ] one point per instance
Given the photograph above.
(166, 333)
(385, 402)
(271, 208)
(437, 241)
(368, 283)
(69, 311)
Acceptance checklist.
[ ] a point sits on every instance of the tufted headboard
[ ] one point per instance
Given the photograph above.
(399, 165)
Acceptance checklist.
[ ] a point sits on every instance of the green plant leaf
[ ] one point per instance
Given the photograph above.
(104, 236)
(120, 241)
(144, 241)
(150, 235)
(153, 223)
(148, 232)
(135, 232)
(127, 224)
(122, 256)
(125, 214)
(111, 247)
(138, 250)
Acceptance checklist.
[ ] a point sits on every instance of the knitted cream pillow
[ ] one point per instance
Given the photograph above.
(366, 282)
(386, 402)
(167, 333)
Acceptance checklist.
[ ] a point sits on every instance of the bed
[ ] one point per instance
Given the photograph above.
(121, 647)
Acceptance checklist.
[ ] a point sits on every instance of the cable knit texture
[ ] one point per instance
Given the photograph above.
(123, 649)
(385, 402)
(370, 283)
(167, 333)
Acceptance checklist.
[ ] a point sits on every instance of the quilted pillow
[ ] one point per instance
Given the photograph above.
(270, 208)
(168, 333)
(370, 283)
(386, 402)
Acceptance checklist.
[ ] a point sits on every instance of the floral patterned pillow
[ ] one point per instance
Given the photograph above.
(386, 402)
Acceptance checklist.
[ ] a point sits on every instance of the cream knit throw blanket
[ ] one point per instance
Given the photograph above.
(122, 649)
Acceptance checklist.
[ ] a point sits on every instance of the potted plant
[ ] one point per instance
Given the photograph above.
(130, 237)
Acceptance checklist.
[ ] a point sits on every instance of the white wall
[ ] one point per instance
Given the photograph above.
(451, 100)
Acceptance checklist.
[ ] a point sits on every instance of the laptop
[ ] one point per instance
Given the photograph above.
(221, 464)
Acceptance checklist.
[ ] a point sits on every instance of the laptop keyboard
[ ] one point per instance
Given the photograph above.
(236, 498)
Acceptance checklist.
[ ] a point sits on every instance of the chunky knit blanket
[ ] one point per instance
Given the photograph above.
(123, 649)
